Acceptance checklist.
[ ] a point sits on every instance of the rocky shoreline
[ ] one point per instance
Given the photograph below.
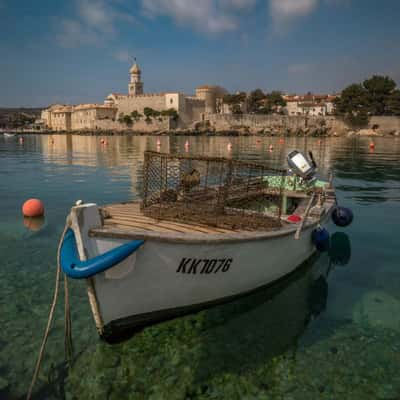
(242, 131)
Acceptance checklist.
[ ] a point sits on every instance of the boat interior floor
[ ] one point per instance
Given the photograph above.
(129, 217)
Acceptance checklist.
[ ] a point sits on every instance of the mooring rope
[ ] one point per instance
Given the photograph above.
(67, 325)
(51, 315)
(305, 215)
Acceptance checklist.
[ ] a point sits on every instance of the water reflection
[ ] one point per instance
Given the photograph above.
(340, 249)
(67, 168)
(240, 335)
(34, 224)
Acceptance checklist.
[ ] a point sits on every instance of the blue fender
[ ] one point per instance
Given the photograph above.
(77, 269)
(321, 239)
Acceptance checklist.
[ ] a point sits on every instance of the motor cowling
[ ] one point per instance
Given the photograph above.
(342, 216)
(301, 165)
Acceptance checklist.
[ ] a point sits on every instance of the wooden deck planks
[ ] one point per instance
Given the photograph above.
(128, 216)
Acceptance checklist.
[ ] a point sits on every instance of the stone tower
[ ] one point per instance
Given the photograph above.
(135, 85)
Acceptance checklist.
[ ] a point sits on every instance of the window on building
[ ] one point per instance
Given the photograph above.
(171, 101)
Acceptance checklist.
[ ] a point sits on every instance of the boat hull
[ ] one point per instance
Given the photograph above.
(166, 278)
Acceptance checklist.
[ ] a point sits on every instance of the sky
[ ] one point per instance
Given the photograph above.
(79, 51)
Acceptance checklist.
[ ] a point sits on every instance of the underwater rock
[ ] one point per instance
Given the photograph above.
(378, 309)
(3, 384)
(387, 392)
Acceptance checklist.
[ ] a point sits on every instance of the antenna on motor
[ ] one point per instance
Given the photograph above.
(314, 164)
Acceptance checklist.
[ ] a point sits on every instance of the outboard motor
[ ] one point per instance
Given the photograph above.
(302, 166)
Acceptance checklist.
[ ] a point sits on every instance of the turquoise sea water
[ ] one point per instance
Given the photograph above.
(328, 332)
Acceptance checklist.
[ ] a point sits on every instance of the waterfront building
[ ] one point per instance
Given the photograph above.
(310, 104)
(191, 109)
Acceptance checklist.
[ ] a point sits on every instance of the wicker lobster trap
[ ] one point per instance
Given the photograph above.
(220, 192)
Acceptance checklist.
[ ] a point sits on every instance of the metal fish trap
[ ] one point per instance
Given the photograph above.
(220, 192)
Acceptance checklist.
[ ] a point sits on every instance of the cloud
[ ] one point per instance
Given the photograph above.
(211, 16)
(123, 56)
(285, 11)
(95, 22)
(299, 68)
(237, 4)
(96, 14)
(72, 33)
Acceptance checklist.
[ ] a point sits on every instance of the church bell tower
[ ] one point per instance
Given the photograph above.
(135, 85)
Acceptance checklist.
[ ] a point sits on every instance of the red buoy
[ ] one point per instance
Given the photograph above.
(294, 218)
(371, 145)
(281, 141)
(33, 208)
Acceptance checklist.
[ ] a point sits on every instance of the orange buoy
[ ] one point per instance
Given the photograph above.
(33, 223)
(33, 208)
(158, 142)
(281, 141)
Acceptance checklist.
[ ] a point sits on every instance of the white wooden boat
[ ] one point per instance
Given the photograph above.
(143, 267)
(6, 134)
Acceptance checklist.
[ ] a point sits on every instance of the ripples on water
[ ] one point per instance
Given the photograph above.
(315, 336)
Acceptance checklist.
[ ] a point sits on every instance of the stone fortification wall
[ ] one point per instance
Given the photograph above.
(330, 124)
(131, 103)
(194, 110)
(276, 122)
(141, 126)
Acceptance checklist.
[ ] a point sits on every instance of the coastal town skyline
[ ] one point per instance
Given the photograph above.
(77, 52)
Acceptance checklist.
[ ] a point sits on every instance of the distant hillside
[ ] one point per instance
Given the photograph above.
(18, 117)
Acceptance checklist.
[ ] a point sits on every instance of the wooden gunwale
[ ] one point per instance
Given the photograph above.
(219, 238)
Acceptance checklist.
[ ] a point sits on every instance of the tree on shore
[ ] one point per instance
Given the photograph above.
(375, 96)
(378, 91)
(235, 102)
(275, 101)
(256, 102)
(170, 112)
(393, 103)
(127, 120)
(121, 118)
(352, 105)
(135, 115)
